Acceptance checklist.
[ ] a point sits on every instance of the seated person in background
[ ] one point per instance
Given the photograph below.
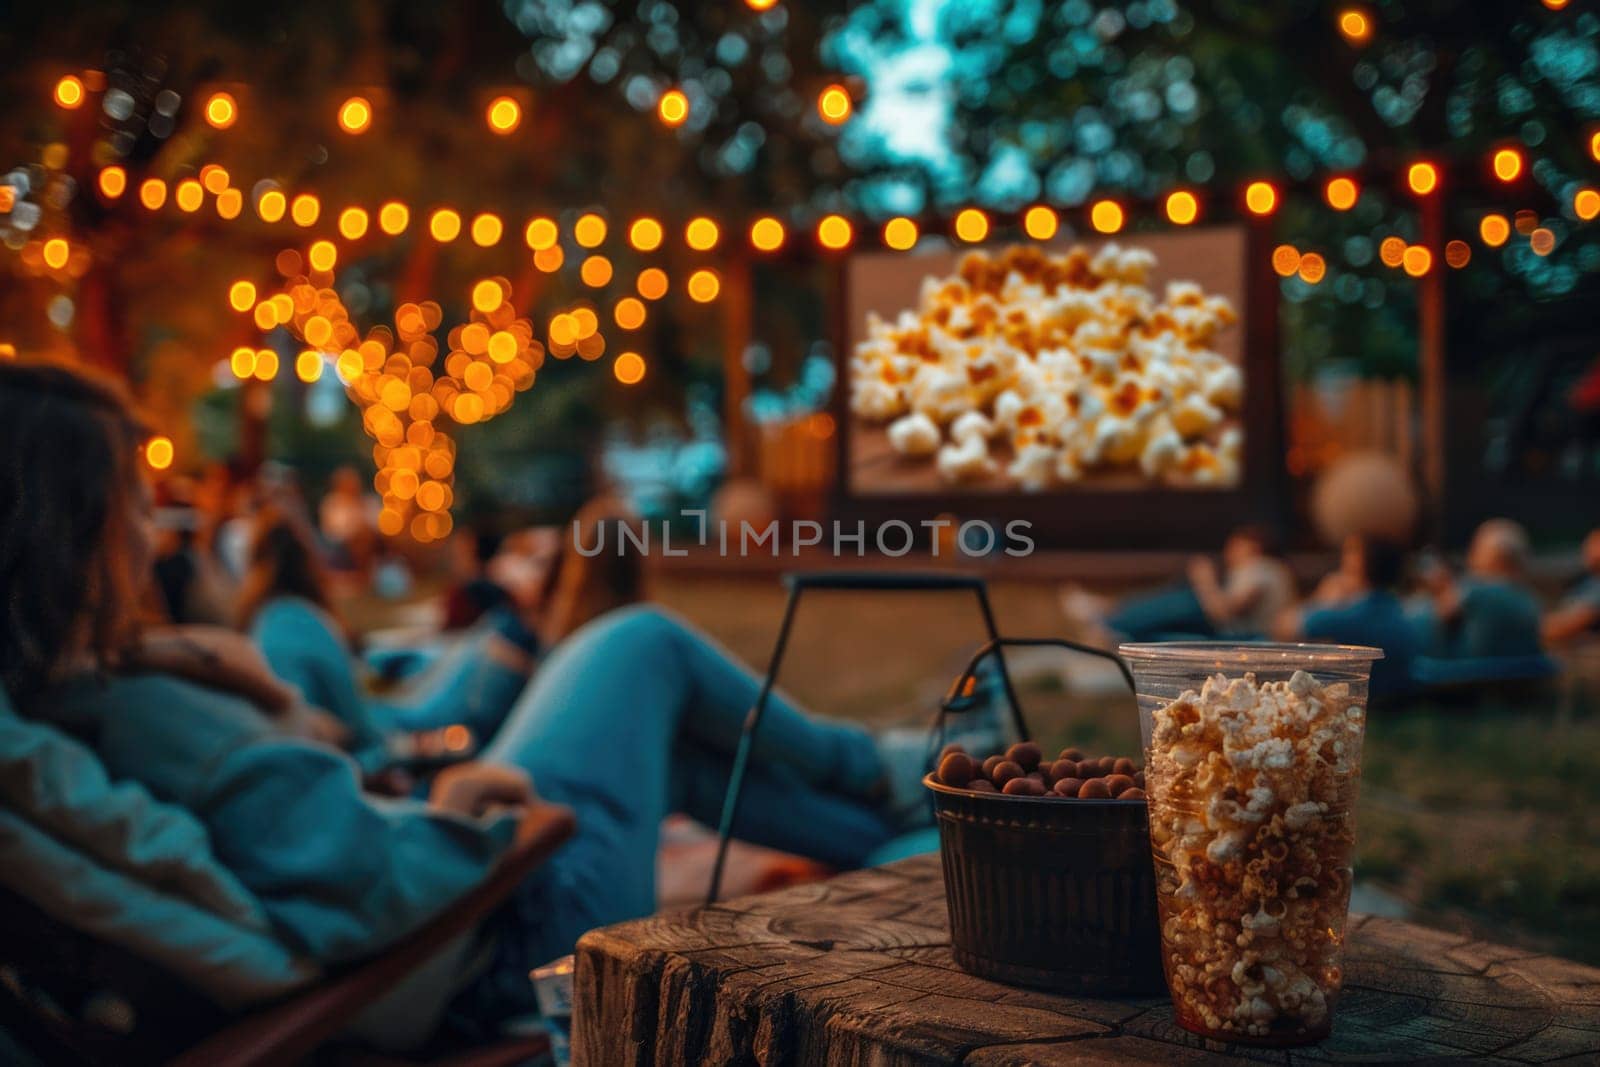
(474, 592)
(1245, 601)
(1357, 605)
(285, 605)
(1579, 611)
(1489, 612)
(632, 716)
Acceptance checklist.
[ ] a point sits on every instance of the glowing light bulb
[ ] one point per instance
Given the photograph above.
(540, 233)
(1341, 194)
(1261, 198)
(271, 205)
(1106, 216)
(1355, 26)
(645, 234)
(900, 234)
(113, 182)
(1040, 223)
(159, 452)
(393, 218)
(1422, 178)
(834, 104)
(353, 223)
(69, 92)
(673, 108)
(56, 253)
(445, 225)
(971, 225)
(222, 111)
(834, 232)
(1495, 230)
(1507, 163)
(242, 295)
(629, 368)
(702, 234)
(487, 230)
(766, 234)
(355, 115)
(504, 115)
(305, 209)
(1182, 207)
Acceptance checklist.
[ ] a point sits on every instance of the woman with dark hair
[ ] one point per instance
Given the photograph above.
(631, 717)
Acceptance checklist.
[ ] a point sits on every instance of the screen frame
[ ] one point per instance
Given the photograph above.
(1159, 518)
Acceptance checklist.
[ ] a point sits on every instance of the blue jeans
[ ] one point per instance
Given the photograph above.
(1162, 615)
(636, 716)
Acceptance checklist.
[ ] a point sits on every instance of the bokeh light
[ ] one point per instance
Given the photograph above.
(1182, 207)
(1391, 250)
(487, 230)
(1542, 241)
(488, 295)
(590, 230)
(540, 233)
(629, 313)
(153, 193)
(69, 92)
(113, 182)
(56, 253)
(271, 205)
(1495, 230)
(230, 203)
(900, 234)
(833, 104)
(222, 110)
(971, 225)
(1416, 260)
(1040, 223)
(645, 234)
(189, 195)
(595, 271)
(305, 209)
(1422, 177)
(766, 234)
(1106, 216)
(1458, 254)
(703, 286)
(159, 452)
(1312, 268)
(1586, 203)
(1261, 198)
(1341, 193)
(242, 295)
(1507, 164)
(1285, 260)
(444, 225)
(504, 115)
(322, 255)
(308, 366)
(353, 223)
(629, 368)
(702, 234)
(1355, 26)
(215, 178)
(673, 107)
(652, 283)
(355, 115)
(834, 232)
(393, 218)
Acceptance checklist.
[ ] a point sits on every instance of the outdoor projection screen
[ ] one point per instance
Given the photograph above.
(1166, 407)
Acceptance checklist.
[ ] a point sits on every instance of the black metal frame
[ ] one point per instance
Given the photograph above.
(860, 581)
(955, 700)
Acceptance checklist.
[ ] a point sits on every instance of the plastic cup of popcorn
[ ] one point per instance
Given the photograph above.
(1252, 760)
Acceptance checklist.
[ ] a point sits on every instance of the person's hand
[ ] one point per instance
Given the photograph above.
(214, 657)
(1202, 571)
(313, 724)
(476, 789)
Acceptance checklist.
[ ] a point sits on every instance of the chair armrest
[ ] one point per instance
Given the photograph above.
(288, 1031)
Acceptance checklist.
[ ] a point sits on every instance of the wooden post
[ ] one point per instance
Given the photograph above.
(1430, 364)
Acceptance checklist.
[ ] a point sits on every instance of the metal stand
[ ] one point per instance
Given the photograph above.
(859, 581)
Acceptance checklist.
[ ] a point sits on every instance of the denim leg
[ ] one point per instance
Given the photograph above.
(1154, 615)
(777, 809)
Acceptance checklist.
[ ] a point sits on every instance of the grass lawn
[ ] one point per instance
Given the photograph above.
(1482, 820)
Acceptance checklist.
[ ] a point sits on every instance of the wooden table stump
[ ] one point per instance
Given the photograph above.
(857, 970)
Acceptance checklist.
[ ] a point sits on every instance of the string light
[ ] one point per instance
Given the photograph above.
(243, 361)
(1312, 268)
(153, 193)
(1182, 207)
(645, 234)
(549, 259)
(595, 271)
(355, 115)
(1416, 260)
(652, 283)
(353, 223)
(1542, 241)
(1261, 198)
(702, 234)
(834, 232)
(393, 218)
(540, 233)
(189, 195)
(113, 182)
(1285, 260)
(590, 230)
(834, 105)
(242, 295)
(1458, 254)
(487, 230)
(628, 368)
(271, 205)
(159, 452)
(222, 111)
(504, 115)
(900, 234)
(305, 209)
(1355, 26)
(766, 234)
(230, 203)
(69, 92)
(629, 313)
(758, 5)
(1495, 230)
(673, 107)
(1040, 222)
(488, 295)
(1422, 177)
(444, 226)
(1391, 251)
(1508, 164)
(1341, 194)
(322, 255)
(703, 286)
(56, 253)
(1594, 145)
(1586, 204)
(308, 366)
(215, 178)
(266, 364)
(1106, 216)
(971, 225)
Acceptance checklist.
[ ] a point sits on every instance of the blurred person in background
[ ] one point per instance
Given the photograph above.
(347, 519)
(474, 592)
(1243, 601)
(1359, 604)
(1578, 614)
(1489, 611)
